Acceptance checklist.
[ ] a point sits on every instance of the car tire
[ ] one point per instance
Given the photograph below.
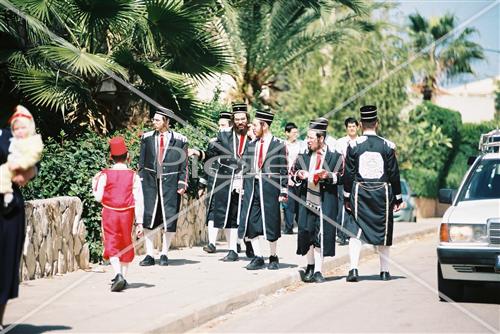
(453, 289)
(414, 219)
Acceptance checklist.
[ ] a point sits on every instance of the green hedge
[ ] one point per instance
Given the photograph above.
(430, 128)
(470, 134)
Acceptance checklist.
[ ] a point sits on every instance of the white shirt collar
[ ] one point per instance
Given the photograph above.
(119, 165)
(370, 132)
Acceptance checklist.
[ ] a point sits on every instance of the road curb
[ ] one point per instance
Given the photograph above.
(208, 310)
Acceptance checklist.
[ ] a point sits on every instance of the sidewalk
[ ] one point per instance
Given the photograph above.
(193, 289)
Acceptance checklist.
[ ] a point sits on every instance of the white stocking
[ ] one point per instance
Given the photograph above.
(115, 263)
(273, 245)
(256, 246)
(150, 248)
(384, 257)
(124, 267)
(354, 252)
(232, 237)
(212, 232)
(167, 240)
(318, 260)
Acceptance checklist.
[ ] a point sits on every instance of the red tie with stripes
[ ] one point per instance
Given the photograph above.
(162, 149)
(240, 146)
(261, 154)
(318, 167)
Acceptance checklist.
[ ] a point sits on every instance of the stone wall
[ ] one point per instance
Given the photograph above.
(55, 235)
(191, 228)
(55, 238)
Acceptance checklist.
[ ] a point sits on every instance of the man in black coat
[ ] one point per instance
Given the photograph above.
(225, 153)
(265, 186)
(317, 174)
(164, 171)
(372, 191)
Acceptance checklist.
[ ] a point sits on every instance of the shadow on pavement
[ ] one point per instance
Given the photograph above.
(32, 329)
(140, 285)
(376, 277)
(180, 262)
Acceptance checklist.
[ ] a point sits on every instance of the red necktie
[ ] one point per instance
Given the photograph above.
(162, 149)
(261, 154)
(240, 147)
(318, 167)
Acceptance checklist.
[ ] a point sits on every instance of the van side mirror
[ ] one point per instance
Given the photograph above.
(446, 196)
(471, 160)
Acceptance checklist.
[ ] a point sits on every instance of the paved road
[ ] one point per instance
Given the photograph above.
(406, 304)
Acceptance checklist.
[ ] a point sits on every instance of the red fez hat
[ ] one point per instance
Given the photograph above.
(117, 146)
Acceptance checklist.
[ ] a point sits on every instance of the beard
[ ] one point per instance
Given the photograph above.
(240, 130)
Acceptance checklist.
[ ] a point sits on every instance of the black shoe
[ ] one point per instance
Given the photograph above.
(318, 277)
(231, 256)
(238, 248)
(118, 283)
(249, 249)
(288, 232)
(353, 275)
(163, 260)
(210, 248)
(385, 276)
(308, 275)
(274, 263)
(256, 263)
(148, 261)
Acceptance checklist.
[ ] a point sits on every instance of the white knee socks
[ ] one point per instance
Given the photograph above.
(150, 249)
(384, 257)
(115, 263)
(256, 246)
(232, 238)
(124, 267)
(212, 232)
(318, 260)
(273, 245)
(167, 240)
(354, 252)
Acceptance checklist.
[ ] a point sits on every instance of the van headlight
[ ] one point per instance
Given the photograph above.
(463, 233)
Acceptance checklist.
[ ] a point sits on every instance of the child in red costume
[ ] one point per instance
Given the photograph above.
(119, 190)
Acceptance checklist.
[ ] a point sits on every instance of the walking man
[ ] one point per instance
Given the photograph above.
(164, 171)
(317, 174)
(265, 186)
(351, 128)
(223, 205)
(372, 190)
(294, 148)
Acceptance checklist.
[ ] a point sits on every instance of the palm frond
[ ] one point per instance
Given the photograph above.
(79, 61)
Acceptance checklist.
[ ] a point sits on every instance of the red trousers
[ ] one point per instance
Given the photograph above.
(117, 237)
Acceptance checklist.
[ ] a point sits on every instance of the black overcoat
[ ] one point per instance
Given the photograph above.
(314, 229)
(272, 183)
(160, 183)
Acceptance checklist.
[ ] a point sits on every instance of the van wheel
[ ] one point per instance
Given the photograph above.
(453, 289)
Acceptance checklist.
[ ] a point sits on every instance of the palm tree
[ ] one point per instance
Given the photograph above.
(69, 56)
(445, 54)
(267, 36)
